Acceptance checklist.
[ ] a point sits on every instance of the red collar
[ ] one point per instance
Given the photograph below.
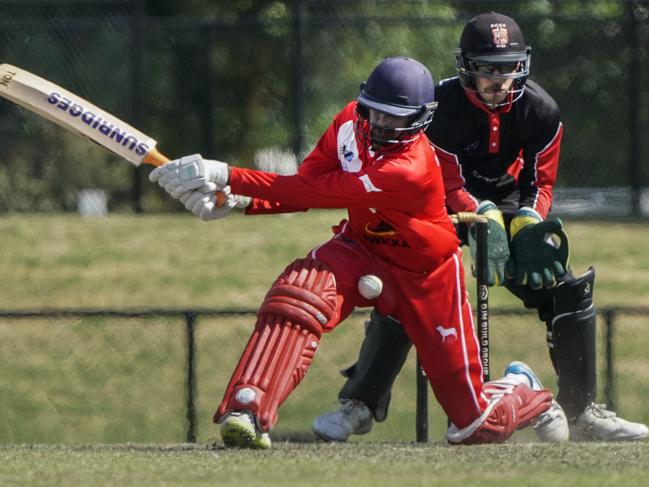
(475, 101)
(493, 116)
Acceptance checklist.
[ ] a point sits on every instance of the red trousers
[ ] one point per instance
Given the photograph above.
(433, 309)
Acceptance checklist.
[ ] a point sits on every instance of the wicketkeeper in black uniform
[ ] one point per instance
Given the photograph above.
(497, 136)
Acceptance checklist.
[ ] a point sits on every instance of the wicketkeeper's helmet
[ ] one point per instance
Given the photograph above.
(490, 42)
(400, 87)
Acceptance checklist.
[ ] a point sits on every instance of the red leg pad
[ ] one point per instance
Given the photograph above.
(510, 408)
(287, 333)
(532, 404)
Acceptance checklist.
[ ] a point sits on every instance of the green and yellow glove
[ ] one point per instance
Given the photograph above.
(540, 250)
(497, 245)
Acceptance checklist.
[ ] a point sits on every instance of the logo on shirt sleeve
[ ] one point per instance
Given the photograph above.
(369, 185)
(347, 148)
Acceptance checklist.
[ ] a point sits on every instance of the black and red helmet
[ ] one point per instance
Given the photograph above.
(490, 42)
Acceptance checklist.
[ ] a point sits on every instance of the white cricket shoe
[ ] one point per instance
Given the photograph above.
(353, 418)
(597, 423)
(552, 425)
(239, 430)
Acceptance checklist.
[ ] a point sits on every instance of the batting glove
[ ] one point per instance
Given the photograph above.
(202, 202)
(189, 173)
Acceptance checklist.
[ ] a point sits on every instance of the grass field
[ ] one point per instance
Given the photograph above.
(315, 464)
(81, 381)
(179, 261)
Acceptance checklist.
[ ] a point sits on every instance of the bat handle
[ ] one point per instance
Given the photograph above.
(156, 158)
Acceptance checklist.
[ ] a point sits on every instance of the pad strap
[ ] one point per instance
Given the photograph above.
(511, 406)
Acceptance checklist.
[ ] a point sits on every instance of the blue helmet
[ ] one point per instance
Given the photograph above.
(400, 87)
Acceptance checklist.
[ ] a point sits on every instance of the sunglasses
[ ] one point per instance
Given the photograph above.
(483, 68)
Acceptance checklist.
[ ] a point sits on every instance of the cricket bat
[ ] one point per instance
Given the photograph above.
(80, 116)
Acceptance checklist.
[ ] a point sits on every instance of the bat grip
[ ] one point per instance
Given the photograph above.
(156, 158)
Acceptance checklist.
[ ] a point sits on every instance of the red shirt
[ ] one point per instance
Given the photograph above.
(395, 201)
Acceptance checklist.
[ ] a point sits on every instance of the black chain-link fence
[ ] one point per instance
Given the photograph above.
(229, 81)
(158, 376)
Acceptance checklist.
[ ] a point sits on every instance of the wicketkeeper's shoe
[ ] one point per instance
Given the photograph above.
(552, 425)
(597, 423)
(353, 418)
(239, 430)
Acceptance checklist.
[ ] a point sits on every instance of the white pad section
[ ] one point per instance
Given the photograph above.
(457, 435)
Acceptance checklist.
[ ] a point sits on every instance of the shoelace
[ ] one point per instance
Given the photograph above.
(600, 411)
(349, 405)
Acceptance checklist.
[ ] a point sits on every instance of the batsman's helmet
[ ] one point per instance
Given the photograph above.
(490, 42)
(399, 87)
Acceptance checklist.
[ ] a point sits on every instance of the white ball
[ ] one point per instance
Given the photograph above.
(370, 286)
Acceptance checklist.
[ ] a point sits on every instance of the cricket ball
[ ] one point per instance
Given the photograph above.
(370, 286)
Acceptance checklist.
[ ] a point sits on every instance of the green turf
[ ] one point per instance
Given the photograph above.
(299, 464)
(108, 380)
(178, 260)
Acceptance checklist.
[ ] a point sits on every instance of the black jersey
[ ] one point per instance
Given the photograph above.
(508, 155)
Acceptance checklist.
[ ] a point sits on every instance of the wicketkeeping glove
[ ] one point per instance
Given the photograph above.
(540, 250)
(497, 244)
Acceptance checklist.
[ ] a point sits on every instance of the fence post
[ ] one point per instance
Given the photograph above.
(190, 325)
(298, 80)
(421, 414)
(609, 387)
(635, 102)
(207, 102)
(137, 94)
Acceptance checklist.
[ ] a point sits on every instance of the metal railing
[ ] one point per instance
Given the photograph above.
(190, 317)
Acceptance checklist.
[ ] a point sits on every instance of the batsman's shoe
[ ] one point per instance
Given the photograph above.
(239, 430)
(552, 425)
(353, 418)
(597, 423)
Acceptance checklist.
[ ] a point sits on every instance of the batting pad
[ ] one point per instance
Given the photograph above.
(287, 334)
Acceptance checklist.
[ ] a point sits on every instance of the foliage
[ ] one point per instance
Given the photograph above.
(230, 78)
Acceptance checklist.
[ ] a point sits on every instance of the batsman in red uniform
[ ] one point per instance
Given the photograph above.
(375, 161)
